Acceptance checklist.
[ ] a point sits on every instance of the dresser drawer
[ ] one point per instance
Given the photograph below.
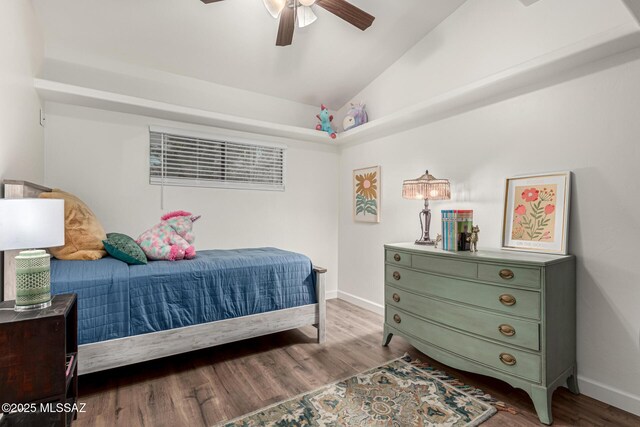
(399, 258)
(517, 302)
(443, 265)
(502, 358)
(510, 275)
(495, 326)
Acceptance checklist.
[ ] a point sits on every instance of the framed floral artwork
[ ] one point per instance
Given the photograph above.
(366, 194)
(536, 213)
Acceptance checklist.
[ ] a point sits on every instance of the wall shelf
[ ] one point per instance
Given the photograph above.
(86, 97)
(539, 72)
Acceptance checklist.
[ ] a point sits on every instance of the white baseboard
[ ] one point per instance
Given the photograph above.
(331, 295)
(361, 302)
(609, 395)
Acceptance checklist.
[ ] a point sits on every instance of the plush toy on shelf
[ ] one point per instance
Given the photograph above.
(325, 122)
(172, 239)
(356, 116)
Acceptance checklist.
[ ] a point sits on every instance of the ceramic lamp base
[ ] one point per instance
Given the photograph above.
(33, 282)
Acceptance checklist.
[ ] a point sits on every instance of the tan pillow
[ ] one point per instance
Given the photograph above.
(83, 233)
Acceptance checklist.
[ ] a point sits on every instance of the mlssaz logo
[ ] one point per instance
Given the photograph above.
(62, 407)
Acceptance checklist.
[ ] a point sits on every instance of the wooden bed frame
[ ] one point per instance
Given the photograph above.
(139, 348)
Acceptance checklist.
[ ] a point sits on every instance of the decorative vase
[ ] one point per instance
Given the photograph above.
(33, 280)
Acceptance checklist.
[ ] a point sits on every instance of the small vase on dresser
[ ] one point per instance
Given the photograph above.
(508, 315)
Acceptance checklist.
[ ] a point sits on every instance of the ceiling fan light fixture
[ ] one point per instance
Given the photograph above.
(288, 11)
(306, 17)
(275, 7)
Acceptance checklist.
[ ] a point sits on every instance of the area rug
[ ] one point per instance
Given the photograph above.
(399, 393)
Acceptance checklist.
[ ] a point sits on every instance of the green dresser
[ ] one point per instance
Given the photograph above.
(509, 315)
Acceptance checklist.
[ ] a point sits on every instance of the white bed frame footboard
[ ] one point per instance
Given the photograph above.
(140, 348)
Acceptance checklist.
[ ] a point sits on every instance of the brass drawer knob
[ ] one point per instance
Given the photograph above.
(507, 330)
(396, 318)
(507, 359)
(506, 274)
(507, 299)
(396, 297)
(397, 257)
(396, 275)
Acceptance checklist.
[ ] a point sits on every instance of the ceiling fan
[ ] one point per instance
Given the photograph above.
(301, 10)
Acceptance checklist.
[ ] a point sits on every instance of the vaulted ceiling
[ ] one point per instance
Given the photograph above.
(232, 42)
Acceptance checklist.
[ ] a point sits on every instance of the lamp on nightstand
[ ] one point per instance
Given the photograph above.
(29, 224)
(426, 188)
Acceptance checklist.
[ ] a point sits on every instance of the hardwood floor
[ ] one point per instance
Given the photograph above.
(205, 387)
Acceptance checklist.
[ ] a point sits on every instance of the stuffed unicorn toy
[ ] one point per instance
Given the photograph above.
(172, 239)
(356, 116)
(325, 122)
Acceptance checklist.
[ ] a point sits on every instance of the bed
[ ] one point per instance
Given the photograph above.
(131, 314)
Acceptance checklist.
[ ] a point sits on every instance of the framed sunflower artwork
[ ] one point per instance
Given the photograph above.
(366, 194)
(536, 213)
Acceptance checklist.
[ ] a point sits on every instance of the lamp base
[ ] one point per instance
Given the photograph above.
(427, 242)
(425, 223)
(33, 283)
(32, 307)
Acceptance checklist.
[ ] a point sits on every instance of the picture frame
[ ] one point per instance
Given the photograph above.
(366, 194)
(536, 213)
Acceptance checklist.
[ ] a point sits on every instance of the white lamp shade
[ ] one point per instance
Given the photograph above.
(306, 17)
(275, 6)
(31, 223)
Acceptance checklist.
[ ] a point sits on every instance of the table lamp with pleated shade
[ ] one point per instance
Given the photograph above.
(426, 187)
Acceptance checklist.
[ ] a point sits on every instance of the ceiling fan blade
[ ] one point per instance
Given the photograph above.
(209, 1)
(286, 27)
(353, 15)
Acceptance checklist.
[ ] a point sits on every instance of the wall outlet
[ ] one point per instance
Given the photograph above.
(42, 117)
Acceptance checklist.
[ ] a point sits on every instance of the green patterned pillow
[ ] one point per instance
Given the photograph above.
(124, 248)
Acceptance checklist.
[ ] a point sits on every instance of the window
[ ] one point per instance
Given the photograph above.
(188, 159)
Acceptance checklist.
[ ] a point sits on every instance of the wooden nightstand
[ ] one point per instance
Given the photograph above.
(36, 348)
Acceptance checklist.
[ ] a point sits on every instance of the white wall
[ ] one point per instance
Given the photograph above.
(481, 38)
(21, 51)
(103, 157)
(588, 125)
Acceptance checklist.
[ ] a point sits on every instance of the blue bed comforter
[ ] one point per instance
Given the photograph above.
(116, 300)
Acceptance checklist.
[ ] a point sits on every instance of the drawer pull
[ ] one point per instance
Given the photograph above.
(396, 318)
(396, 297)
(507, 299)
(507, 330)
(397, 257)
(506, 274)
(396, 275)
(507, 359)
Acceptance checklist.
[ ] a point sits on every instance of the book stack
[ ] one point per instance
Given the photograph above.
(456, 227)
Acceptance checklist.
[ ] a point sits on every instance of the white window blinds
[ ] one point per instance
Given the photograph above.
(177, 158)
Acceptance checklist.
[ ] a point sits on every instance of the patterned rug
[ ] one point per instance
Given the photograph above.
(399, 393)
